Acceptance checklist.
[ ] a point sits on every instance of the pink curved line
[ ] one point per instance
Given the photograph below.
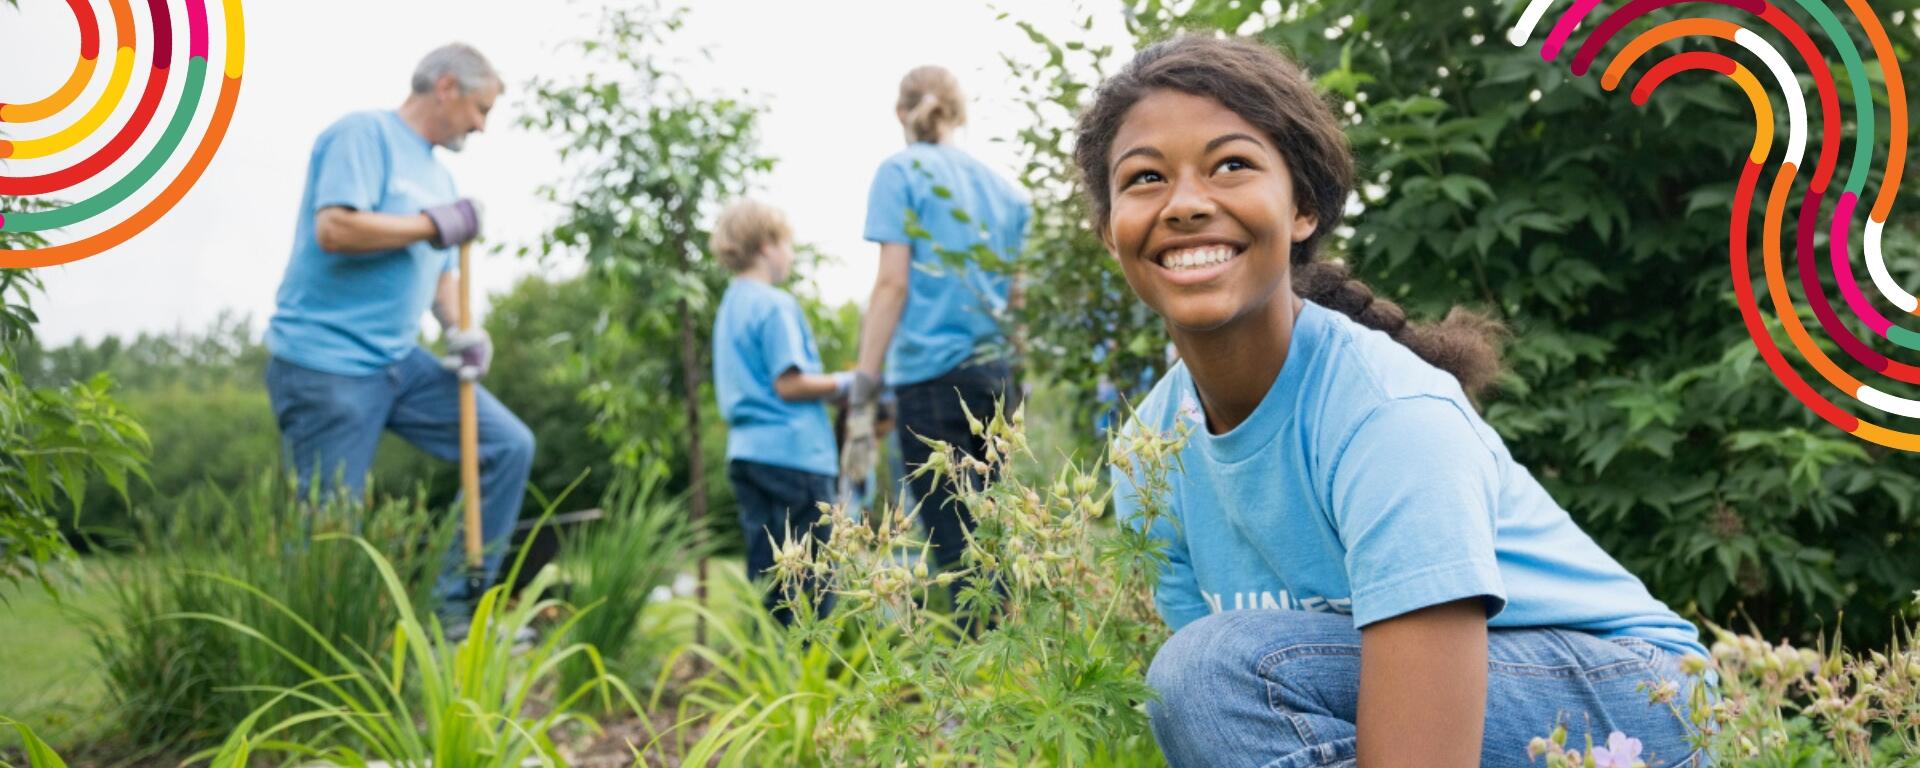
(1563, 28)
(197, 28)
(1843, 267)
(1817, 294)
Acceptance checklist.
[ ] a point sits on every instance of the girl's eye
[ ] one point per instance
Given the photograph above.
(1234, 164)
(1143, 177)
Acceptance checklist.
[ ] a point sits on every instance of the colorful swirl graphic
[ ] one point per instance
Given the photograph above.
(140, 173)
(1784, 73)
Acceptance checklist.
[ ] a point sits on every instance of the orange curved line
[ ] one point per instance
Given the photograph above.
(1645, 41)
(51, 105)
(1783, 301)
(1762, 110)
(145, 217)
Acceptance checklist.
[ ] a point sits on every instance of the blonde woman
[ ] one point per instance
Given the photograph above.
(931, 331)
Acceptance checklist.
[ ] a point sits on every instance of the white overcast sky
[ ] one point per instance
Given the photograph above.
(827, 71)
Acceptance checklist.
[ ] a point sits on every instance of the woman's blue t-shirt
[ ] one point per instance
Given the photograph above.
(937, 198)
(1366, 484)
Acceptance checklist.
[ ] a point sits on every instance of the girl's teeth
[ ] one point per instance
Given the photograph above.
(1195, 258)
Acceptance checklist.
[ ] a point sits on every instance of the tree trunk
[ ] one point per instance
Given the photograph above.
(696, 459)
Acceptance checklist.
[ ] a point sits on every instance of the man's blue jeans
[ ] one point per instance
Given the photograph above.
(1281, 689)
(331, 424)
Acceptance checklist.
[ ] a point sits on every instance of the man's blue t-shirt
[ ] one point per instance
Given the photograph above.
(960, 203)
(1366, 484)
(758, 335)
(354, 315)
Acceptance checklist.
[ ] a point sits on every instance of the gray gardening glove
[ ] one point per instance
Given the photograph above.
(455, 223)
(469, 353)
(862, 389)
(856, 457)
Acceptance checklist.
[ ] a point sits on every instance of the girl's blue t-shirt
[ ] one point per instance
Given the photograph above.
(1366, 484)
(759, 334)
(938, 198)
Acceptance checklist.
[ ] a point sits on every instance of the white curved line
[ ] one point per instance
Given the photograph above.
(1529, 19)
(1882, 279)
(1796, 98)
(1895, 405)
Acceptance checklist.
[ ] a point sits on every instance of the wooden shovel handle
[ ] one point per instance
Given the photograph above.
(469, 422)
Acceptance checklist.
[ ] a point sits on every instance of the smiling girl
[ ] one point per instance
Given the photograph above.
(1435, 605)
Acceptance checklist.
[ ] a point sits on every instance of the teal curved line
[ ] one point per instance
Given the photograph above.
(40, 221)
(1862, 94)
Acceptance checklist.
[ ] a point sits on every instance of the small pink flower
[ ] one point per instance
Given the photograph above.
(1620, 752)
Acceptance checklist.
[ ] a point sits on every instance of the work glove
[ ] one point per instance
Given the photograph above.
(469, 353)
(861, 388)
(455, 223)
(843, 385)
(857, 457)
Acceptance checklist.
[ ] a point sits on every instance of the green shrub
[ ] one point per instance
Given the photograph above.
(178, 685)
(613, 567)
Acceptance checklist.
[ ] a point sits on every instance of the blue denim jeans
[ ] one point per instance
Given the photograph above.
(1280, 689)
(775, 501)
(331, 424)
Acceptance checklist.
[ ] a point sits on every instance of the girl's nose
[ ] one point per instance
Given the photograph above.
(1189, 205)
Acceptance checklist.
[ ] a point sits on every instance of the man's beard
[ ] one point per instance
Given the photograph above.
(455, 144)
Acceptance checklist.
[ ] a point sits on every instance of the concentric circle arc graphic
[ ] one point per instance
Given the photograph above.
(54, 130)
(1771, 79)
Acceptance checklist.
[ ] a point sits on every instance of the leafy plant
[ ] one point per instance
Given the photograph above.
(1060, 601)
(1779, 705)
(52, 440)
(39, 754)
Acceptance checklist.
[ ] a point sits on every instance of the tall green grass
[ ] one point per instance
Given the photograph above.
(423, 700)
(178, 686)
(616, 564)
(765, 694)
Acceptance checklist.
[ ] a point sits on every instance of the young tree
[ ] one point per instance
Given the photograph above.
(649, 160)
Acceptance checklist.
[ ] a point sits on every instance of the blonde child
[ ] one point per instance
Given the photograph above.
(781, 455)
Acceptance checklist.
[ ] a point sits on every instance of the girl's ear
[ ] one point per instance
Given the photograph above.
(1304, 224)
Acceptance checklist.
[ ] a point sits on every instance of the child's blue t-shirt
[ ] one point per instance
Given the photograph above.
(758, 335)
(354, 315)
(1366, 484)
(960, 203)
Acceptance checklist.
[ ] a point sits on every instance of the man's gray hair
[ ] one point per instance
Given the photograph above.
(463, 61)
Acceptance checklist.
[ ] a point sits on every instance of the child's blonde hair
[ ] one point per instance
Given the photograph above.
(931, 99)
(744, 229)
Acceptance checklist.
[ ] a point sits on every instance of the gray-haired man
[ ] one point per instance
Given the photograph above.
(373, 248)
